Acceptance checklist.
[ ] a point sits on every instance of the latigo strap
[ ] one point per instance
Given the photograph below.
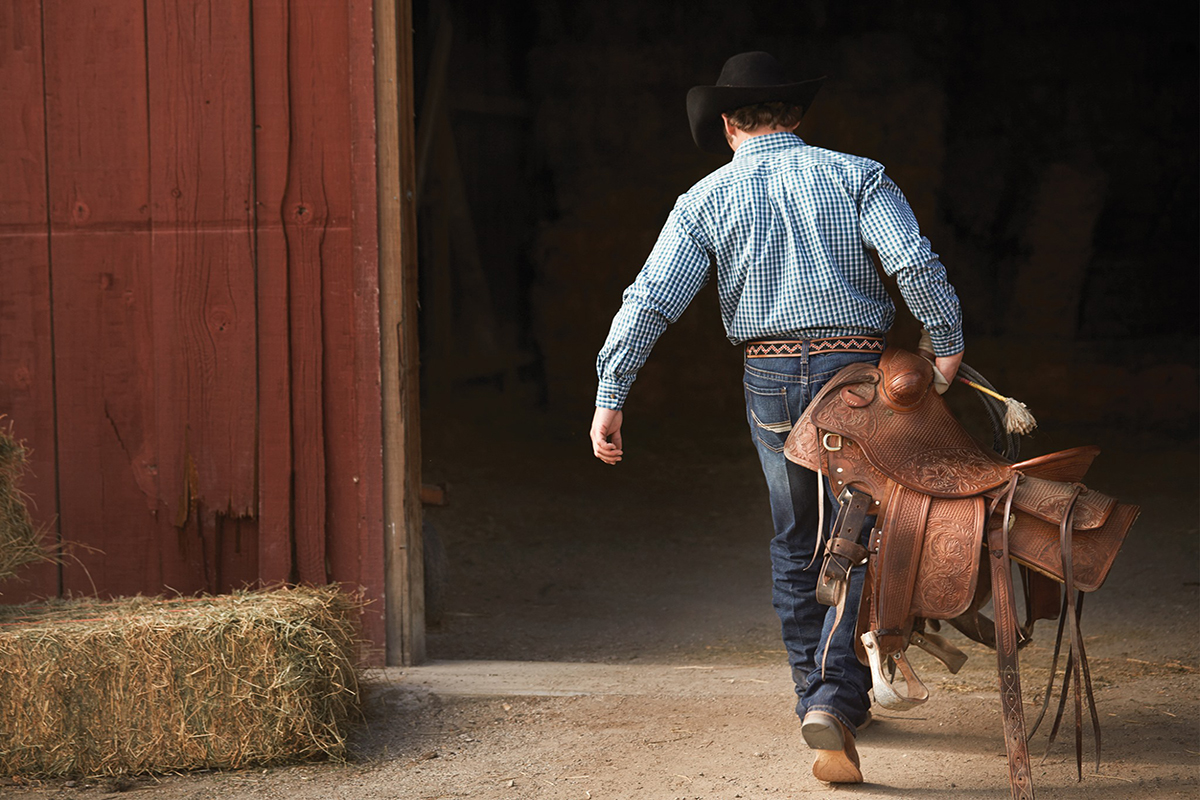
(842, 553)
(1015, 743)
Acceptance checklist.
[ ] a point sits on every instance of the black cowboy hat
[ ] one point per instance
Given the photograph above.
(746, 80)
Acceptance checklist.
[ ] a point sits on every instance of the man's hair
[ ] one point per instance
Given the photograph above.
(770, 115)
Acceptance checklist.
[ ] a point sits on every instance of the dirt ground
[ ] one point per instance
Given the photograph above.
(608, 633)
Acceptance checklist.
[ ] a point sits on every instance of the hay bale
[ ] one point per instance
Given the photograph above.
(19, 542)
(141, 685)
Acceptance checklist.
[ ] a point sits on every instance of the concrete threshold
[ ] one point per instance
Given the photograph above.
(567, 679)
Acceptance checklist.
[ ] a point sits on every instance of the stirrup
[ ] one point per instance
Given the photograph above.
(885, 692)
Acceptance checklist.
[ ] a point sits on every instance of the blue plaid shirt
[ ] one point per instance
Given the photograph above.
(788, 228)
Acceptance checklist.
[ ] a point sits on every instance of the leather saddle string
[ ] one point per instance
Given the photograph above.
(1066, 687)
(1058, 638)
(837, 620)
(1087, 681)
(1078, 656)
(1026, 590)
(1062, 700)
(820, 537)
(1019, 775)
(840, 606)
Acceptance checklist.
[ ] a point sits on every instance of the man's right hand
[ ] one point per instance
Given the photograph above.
(606, 425)
(948, 365)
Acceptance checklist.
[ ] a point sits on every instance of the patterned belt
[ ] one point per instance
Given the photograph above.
(776, 348)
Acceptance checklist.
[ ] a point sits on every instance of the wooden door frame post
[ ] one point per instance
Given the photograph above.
(404, 573)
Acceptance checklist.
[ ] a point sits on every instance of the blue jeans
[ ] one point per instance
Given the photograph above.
(777, 391)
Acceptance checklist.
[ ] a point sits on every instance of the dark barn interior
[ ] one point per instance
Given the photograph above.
(1048, 149)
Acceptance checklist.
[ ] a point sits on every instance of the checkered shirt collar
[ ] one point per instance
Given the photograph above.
(767, 143)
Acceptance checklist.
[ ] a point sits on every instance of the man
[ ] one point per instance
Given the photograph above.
(787, 229)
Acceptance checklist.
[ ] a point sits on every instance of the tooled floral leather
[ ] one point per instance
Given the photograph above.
(848, 467)
(1048, 501)
(1036, 544)
(898, 562)
(950, 556)
(949, 472)
(924, 449)
(803, 445)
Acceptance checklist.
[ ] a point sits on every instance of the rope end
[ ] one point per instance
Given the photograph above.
(1017, 417)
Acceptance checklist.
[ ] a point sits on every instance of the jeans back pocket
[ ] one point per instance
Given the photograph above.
(769, 415)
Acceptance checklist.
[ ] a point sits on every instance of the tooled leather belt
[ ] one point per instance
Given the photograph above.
(783, 348)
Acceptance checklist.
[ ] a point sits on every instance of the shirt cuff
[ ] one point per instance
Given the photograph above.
(947, 343)
(611, 394)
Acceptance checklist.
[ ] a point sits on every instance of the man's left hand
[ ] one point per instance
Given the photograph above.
(606, 425)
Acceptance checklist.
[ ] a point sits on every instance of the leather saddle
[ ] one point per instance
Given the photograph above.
(943, 506)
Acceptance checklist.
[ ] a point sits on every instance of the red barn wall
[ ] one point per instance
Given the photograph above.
(189, 329)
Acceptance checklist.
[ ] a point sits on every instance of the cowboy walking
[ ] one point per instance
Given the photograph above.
(787, 229)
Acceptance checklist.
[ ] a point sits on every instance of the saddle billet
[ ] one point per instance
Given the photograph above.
(944, 506)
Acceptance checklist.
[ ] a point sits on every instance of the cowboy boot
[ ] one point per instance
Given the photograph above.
(837, 757)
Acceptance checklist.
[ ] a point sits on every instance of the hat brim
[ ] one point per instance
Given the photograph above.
(706, 104)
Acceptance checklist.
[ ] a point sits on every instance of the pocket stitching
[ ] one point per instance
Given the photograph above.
(773, 427)
(760, 426)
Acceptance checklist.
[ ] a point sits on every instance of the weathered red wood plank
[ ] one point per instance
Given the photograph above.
(237, 545)
(272, 152)
(356, 554)
(26, 369)
(201, 171)
(105, 391)
(344, 516)
(206, 383)
(27, 391)
(97, 151)
(96, 114)
(23, 155)
(317, 212)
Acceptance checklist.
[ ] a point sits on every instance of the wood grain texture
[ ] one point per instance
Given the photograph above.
(272, 138)
(236, 540)
(405, 595)
(356, 538)
(105, 392)
(316, 214)
(201, 170)
(409, 351)
(26, 368)
(201, 166)
(189, 239)
(99, 190)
